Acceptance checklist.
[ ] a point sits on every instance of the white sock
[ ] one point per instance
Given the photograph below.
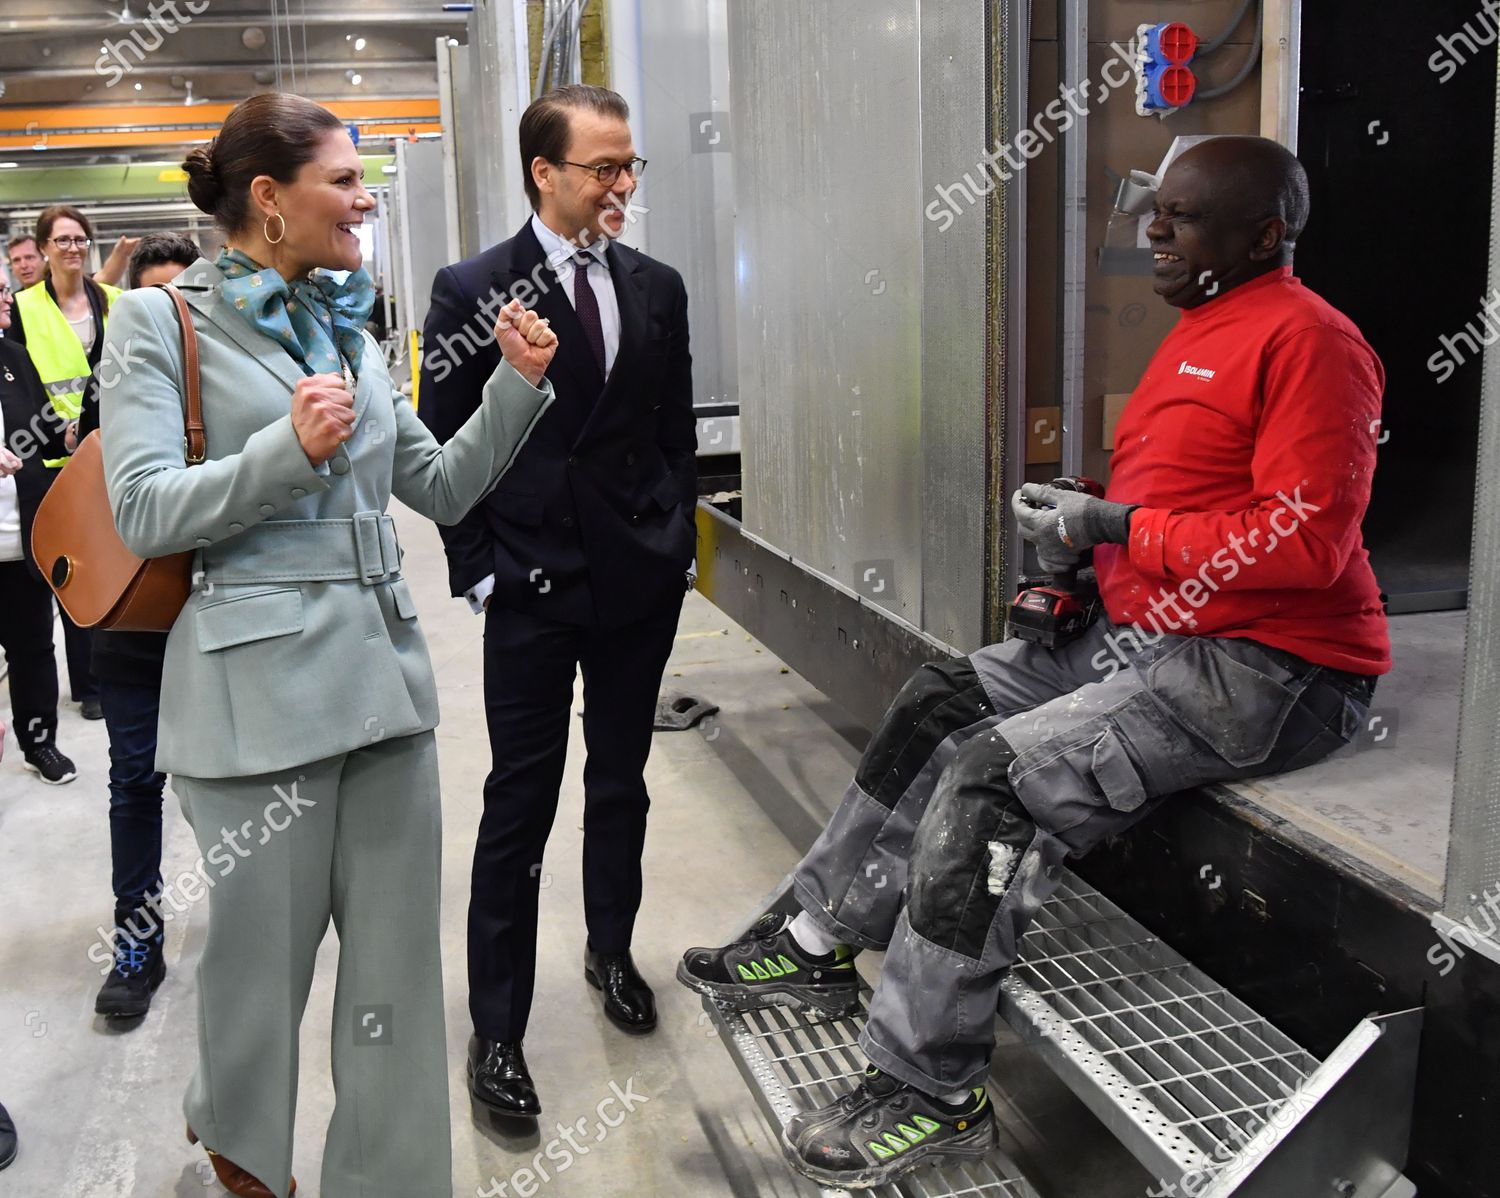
(810, 938)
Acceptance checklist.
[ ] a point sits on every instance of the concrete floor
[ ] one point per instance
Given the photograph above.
(99, 1111)
(734, 802)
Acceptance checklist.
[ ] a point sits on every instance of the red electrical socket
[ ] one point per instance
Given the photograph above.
(1177, 43)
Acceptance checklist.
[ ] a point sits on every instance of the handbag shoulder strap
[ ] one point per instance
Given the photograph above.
(194, 435)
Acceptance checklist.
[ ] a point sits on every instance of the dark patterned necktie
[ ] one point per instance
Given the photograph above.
(587, 304)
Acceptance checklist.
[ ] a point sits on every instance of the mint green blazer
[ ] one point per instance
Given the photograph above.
(300, 640)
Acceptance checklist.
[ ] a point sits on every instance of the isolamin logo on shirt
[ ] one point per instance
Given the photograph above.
(1198, 372)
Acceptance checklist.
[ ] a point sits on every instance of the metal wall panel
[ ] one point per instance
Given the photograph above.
(1473, 883)
(954, 276)
(678, 58)
(853, 310)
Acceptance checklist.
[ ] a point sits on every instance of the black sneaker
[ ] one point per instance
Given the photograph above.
(139, 966)
(92, 709)
(768, 969)
(882, 1129)
(7, 1138)
(49, 765)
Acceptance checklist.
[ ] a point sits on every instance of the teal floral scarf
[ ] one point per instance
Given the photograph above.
(314, 319)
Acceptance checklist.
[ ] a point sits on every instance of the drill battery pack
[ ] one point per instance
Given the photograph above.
(1046, 614)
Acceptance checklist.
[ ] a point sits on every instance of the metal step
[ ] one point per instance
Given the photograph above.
(795, 1061)
(1208, 1095)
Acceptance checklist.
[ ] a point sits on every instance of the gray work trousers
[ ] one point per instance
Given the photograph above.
(357, 839)
(988, 771)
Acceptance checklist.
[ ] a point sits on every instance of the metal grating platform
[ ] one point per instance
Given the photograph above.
(796, 1062)
(1186, 1076)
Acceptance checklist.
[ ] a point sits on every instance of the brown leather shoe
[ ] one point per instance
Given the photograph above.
(232, 1177)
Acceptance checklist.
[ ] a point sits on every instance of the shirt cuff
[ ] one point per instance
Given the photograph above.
(479, 592)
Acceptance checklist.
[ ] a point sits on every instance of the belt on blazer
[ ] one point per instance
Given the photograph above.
(361, 549)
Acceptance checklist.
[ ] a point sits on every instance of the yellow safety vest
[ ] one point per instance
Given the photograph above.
(56, 351)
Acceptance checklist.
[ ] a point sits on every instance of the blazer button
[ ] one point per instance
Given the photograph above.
(630, 459)
(267, 509)
(298, 492)
(567, 521)
(339, 465)
(236, 527)
(573, 461)
(204, 542)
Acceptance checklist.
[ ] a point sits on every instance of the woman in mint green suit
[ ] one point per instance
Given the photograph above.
(297, 699)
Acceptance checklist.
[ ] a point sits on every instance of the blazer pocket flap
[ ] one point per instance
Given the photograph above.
(406, 606)
(247, 618)
(667, 493)
(525, 510)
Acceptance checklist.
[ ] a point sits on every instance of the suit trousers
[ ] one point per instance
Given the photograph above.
(79, 646)
(26, 637)
(529, 667)
(355, 838)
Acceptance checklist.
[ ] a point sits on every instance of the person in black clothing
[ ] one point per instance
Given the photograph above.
(27, 436)
(128, 667)
(7, 1125)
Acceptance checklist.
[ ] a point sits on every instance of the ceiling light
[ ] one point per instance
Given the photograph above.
(359, 43)
(137, 87)
(5, 166)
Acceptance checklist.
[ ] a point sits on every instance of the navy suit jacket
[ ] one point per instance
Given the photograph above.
(594, 523)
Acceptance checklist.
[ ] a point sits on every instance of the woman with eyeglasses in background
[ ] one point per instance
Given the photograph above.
(64, 317)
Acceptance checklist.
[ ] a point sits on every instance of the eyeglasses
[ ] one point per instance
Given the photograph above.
(72, 243)
(608, 172)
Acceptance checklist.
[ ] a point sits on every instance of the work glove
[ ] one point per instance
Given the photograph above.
(1062, 524)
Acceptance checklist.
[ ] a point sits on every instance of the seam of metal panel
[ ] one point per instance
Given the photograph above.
(1072, 284)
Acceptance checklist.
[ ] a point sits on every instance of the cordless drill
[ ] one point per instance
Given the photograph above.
(1056, 611)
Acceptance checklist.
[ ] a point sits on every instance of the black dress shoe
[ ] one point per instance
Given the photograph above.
(7, 1138)
(628, 1001)
(499, 1079)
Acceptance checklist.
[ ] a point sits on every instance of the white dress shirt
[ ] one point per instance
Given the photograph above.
(11, 549)
(560, 254)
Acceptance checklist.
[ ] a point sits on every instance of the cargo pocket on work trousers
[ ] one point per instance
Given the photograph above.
(1065, 780)
(1228, 694)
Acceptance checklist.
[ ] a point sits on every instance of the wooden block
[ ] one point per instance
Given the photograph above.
(1043, 436)
(1113, 406)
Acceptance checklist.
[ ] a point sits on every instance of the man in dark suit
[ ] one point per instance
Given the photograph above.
(578, 559)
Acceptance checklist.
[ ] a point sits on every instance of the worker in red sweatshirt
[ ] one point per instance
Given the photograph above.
(1243, 636)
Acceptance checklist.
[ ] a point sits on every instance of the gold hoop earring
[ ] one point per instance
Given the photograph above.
(281, 234)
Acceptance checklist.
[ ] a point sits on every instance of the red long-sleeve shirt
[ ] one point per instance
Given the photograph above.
(1249, 444)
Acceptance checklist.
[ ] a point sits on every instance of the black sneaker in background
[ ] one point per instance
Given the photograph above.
(769, 969)
(49, 765)
(7, 1138)
(884, 1128)
(139, 965)
(92, 709)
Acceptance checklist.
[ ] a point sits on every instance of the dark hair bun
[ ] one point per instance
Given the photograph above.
(204, 186)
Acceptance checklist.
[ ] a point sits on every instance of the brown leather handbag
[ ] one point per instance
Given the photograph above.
(98, 581)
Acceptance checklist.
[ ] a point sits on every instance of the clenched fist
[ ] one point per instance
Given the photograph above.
(322, 415)
(526, 340)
